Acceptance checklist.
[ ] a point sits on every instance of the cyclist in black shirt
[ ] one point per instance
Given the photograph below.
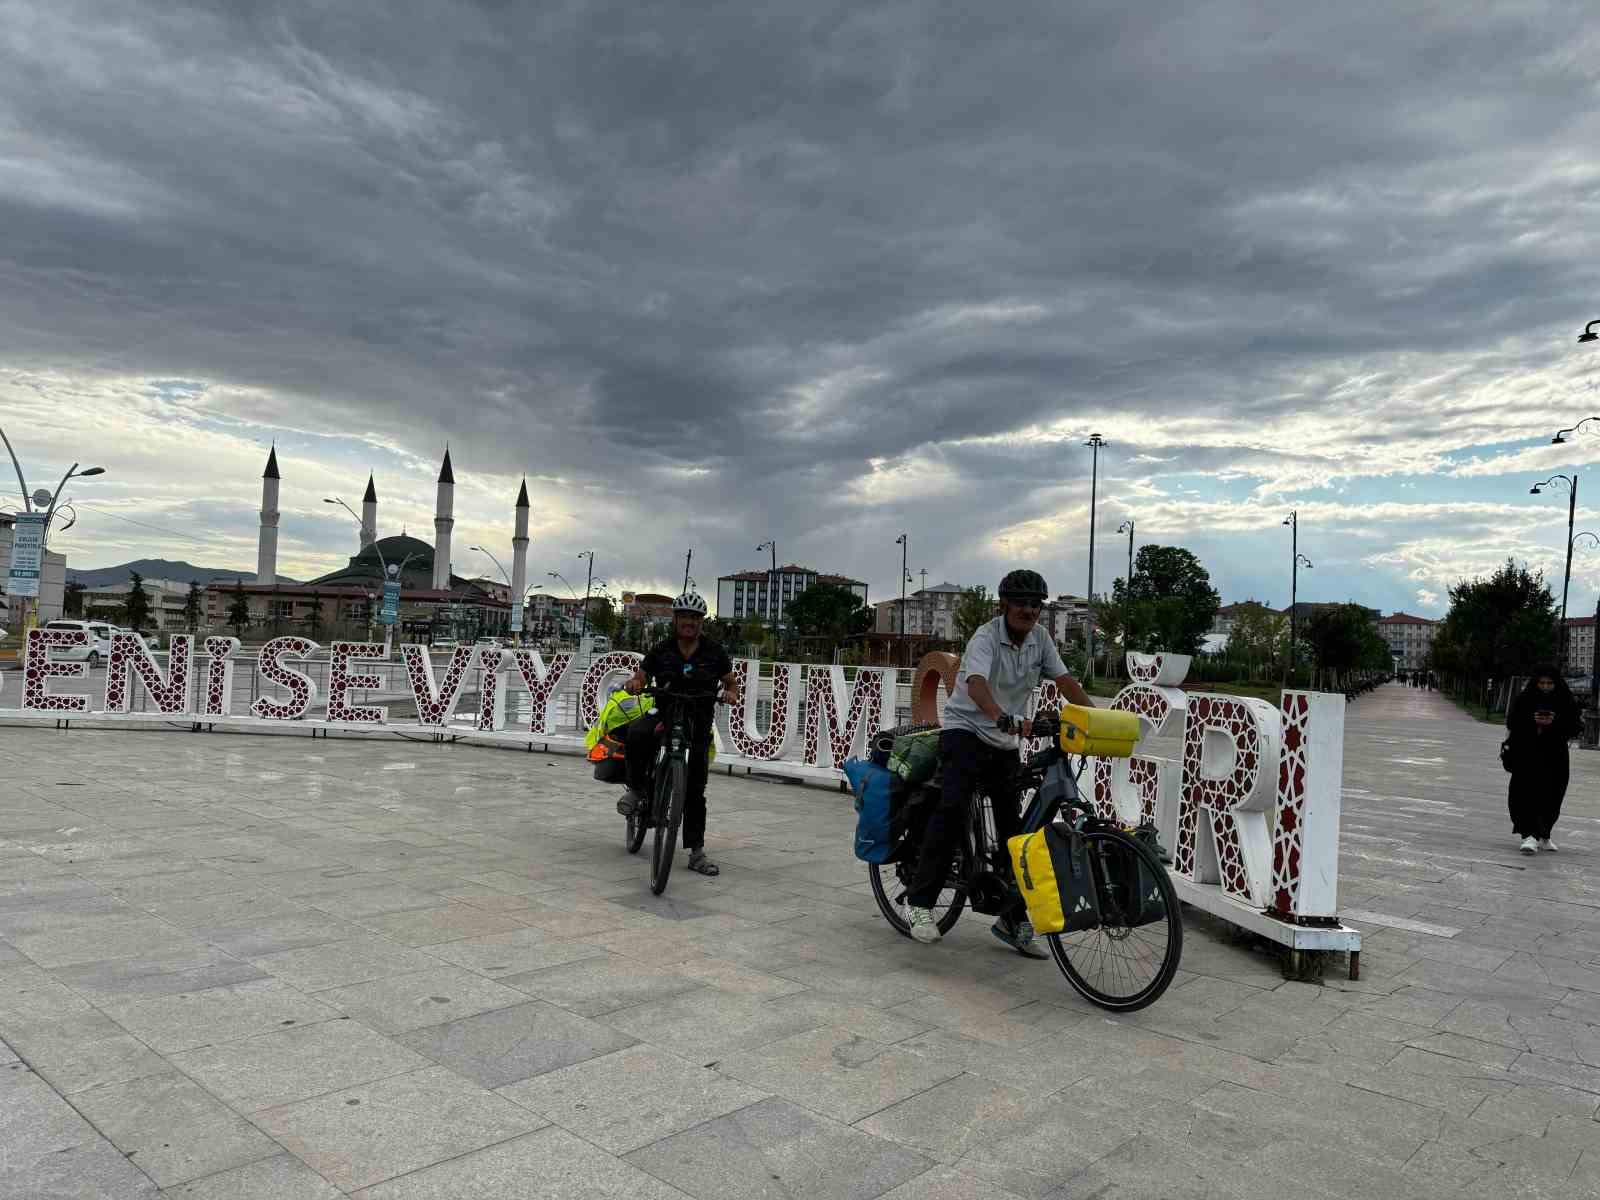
(691, 663)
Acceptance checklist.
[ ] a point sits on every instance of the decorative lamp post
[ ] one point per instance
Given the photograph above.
(772, 583)
(49, 503)
(1299, 560)
(1095, 442)
(1571, 482)
(584, 632)
(1589, 724)
(904, 542)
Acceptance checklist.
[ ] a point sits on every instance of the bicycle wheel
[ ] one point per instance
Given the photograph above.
(1122, 964)
(633, 837)
(669, 813)
(891, 882)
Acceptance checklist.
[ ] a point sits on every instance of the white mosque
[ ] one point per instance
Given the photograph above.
(434, 602)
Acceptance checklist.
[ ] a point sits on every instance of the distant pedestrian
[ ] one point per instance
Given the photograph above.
(1540, 723)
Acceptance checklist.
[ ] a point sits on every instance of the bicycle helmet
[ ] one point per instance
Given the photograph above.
(690, 602)
(1023, 584)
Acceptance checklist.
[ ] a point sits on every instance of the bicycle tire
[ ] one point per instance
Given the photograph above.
(1117, 950)
(633, 837)
(891, 882)
(675, 783)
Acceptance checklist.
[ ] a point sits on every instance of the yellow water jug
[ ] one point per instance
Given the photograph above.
(1101, 732)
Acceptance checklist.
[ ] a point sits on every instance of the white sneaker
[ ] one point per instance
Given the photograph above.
(924, 926)
(1546, 844)
(1529, 846)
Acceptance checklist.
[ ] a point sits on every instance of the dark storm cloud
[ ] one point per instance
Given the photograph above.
(611, 243)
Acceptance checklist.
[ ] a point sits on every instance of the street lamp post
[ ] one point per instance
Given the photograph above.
(1095, 442)
(1293, 521)
(501, 567)
(904, 542)
(1589, 335)
(49, 502)
(772, 583)
(584, 631)
(1571, 482)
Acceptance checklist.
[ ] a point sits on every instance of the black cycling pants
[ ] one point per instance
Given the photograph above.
(644, 738)
(969, 765)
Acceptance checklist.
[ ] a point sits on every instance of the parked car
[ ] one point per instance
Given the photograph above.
(443, 643)
(600, 643)
(95, 651)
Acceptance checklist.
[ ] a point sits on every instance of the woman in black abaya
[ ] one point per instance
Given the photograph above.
(1541, 722)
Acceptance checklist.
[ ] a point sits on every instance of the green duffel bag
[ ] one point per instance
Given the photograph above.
(915, 757)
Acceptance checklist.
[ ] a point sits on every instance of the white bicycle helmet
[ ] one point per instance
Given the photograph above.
(690, 602)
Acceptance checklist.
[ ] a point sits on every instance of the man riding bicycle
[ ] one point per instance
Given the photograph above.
(1005, 660)
(689, 663)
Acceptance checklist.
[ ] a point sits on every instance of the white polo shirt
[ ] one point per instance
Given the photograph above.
(1012, 672)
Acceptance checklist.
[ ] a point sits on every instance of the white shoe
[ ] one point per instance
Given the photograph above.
(924, 926)
(1546, 844)
(1529, 846)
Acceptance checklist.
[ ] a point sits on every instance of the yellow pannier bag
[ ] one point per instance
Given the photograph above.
(1052, 870)
(1100, 732)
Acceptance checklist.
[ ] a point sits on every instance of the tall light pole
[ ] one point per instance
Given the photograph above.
(584, 632)
(1293, 521)
(1571, 482)
(904, 542)
(49, 502)
(1127, 528)
(1589, 335)
(510, 587)
(772, 583)
(1095, 442)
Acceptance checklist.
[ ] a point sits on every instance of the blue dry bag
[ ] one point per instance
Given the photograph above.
(876, 837)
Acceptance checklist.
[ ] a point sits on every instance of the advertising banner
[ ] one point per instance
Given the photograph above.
(27, 554)
(390, 611)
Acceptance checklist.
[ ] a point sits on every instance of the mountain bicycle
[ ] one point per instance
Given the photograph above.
(663, 810)
(1123, 964)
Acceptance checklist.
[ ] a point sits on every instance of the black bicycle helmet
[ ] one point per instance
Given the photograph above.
(1023, 584)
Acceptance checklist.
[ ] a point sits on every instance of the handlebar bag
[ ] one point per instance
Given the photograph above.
(1052, 869)
(1098, 732)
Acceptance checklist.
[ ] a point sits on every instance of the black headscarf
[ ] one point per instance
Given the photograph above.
(1559, 701)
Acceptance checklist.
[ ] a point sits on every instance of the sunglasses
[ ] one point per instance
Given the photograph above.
(1035, 605)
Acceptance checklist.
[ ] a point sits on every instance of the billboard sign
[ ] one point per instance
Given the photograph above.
(27, 554)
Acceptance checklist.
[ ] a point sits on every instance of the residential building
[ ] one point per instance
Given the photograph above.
(929, 612)
(1580, 646)
(1066, 617)
(1228, 615)
(1409, 639)
(764, 594)
(167, 599)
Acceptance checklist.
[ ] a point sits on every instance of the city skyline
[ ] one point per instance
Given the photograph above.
(772, 274)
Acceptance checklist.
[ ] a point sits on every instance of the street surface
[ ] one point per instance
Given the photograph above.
(277, 968)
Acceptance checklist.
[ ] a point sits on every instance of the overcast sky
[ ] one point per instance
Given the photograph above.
(712, 273)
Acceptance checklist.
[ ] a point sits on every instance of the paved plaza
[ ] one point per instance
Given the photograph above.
(274, 968)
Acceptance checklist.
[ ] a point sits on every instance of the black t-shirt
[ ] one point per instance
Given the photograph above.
(668, 671)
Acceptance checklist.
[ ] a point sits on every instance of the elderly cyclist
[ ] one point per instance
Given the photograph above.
(1002, 664)
(690, 662)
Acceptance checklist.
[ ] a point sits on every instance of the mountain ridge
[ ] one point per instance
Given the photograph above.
(177, 570)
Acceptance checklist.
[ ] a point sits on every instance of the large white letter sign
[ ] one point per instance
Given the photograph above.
(342, 681)
(130, 656)
(600, 672)
(541, 682)
(436, 704)
(38, 667)
(850, 717)
(493, 665)
(785, 711)
(1231, 749)
(217, 698)
(1305, 845)
(301, 690)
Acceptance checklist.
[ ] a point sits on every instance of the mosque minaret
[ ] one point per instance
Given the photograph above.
(267, 542)
(443, 522)
(369, 515)
(519, 551)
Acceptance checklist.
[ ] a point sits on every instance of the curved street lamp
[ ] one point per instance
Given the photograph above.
(48, 501)
(1293, 522)
(1571, 483)
(1127, 528)
(1094, 443)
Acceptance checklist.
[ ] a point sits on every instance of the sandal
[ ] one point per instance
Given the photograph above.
(699, 862)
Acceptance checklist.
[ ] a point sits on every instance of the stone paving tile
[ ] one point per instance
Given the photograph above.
(448, 923)
(189, 968)
(514, 952)
(630, 1098)
(601, 984)
(50, 1151)
(400, 1003)
(366, 1134)
(274, 1069)
(186, 1020)
(775, 1150)
(511, 1044)
(83, 1051)
(339, 964)
(551, 1164)
(949, 1119)
(282, 1178)
(172, 1128)
(836, 1073)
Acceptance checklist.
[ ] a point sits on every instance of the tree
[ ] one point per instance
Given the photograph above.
(975, 609)
(136, 609)
(1259, 634)
(1343, 639)
(314, 617)
(1169, 603)
(602, 616)
(191, 606)
(827, 610)
(1497, 627)
(239, 610)
(72, 600)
